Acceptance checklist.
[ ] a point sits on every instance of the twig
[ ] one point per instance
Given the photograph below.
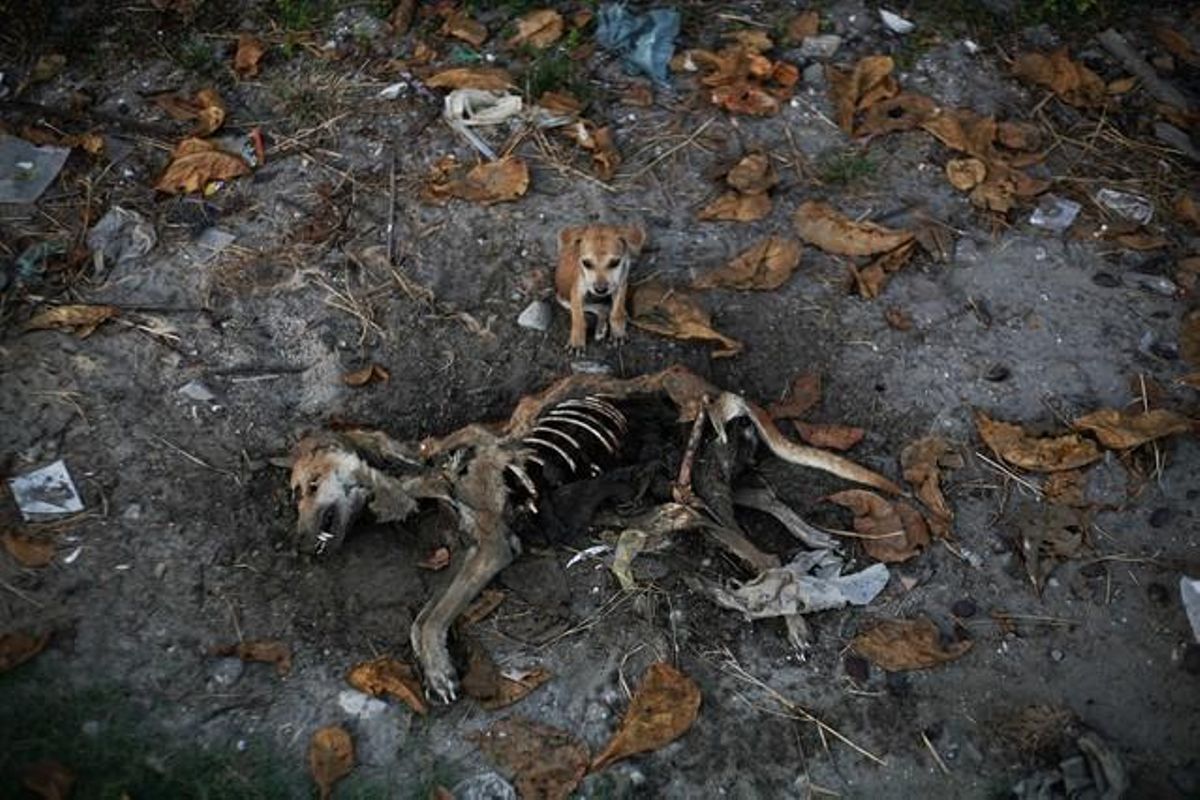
(671, 151)
(391, 220)
(21, 594)
(1008, 473)
(194, 458)
(934, 753)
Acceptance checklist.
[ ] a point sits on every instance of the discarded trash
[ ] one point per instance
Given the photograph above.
(896, 23)
(26, 171)
(1189, 590)
(1132, 207)
(481, 106)
(823, 46)
(30, 265)
(48, 491)
(1054, 213)
(811, 582)
(591, 368)
(647, 41)
(195, 390)
(210, 243)
(591, 552)
(486, 786)
(536, 316)
(119, 238)
(394, 90)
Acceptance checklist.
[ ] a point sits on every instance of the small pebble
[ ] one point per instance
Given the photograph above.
(997, 373)
(1160, 517)
(1158, 594)
(1057, 655)
(1106, 280)
(857, 668)
(964, 608)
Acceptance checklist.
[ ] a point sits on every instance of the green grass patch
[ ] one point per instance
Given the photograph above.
(845, 168)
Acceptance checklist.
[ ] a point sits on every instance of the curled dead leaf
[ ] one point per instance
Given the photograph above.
(1070, 80)
(830, 437)
(802, 396)
(250, 51)
(868, 281)
(195, 163)
(965, 173)
(1018, 135)
(1142, 241)
(869, 82)
(562, 102)
(82, 319)
(48, 779)
(903, 644)
(490, 78)
(206, 107)
(765, 266)
(605, 158)
(892, 531)
(964, 130)
(28, 550)
(330, 757)
(372, 373)
(485, 604)
(265, 651)
(897, 318)
(754, 174)
(493, 689)
(1038, 454)
(461, 26)
(745, 97)
(677, 314)
(904, 112)
(547, 763)
(819, 224)
(919, 461)
(1121, 430)
(385, 676)
(663, 707)
(802, 26)
(538, 29)
(736, 207)
(17, 647)
(1066, 488)
(490, 182)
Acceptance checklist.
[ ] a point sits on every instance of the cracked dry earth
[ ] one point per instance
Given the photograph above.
(185, 543)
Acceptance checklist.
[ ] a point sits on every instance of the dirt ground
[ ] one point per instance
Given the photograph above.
(185, 541)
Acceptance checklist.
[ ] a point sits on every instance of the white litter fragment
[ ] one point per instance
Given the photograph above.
(46, 492)
(896, 23)
(811, 582)
(1132, 207)
(394, 90)
(70, 557)
(481, 107)
(120, 237)
(1189, 590)
(592, 552)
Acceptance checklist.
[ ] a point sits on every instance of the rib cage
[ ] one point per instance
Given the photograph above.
(573, 440)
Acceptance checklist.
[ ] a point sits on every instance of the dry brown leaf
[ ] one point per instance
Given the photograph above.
(754, 174)
(745, 97)
(802, 26)
(487, 685)
(1188, 210)
(195, 163)
(1018, 135)
(868, 83)
(48, 779)
(903, 644)
(919, 461)
(18, 647)
(736, 207)
(1177, 45)
(965, 173)
(330, 757)
(869, 281)
(28, 550)
(1038, 454)
(82, 319)
(490, 78)
(831, 437)
(266, 651)
(461, 26)
(539, 29)
(897, 318)
(1121, 85)
(487, 602)
(639, 95)
(802, 396)
(249, 52)
(386, 676)
(892, 532)
(1066, 488)
(605, 158)
(663, 707)
(372, 373)
(563, 103)
(819, 224)
(765, 266)
(437, 560)
(904, 112)
(1141, 241)
(1121, 430)
(206, 108)
(675, 313)
(1070, 80)
(490, 182)
(402, 16)
(1189, 338)
(752, 40)
(547, 763)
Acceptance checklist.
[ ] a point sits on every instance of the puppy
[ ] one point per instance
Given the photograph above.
(593, 277)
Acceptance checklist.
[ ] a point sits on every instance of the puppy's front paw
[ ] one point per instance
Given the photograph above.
(576, 349)
(619, 335)
(441, 682)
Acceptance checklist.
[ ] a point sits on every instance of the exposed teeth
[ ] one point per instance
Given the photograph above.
(324, 536)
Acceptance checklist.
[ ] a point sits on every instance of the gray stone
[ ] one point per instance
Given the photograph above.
(814, 75)
(227, 671)
(488, 786)
(823, 46)
(536, 316)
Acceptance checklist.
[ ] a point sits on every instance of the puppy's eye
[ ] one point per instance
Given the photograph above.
(313, 486)
(613, 263)
(587, 264)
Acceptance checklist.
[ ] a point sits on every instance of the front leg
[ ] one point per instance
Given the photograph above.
(578, 340)
(483, 561)
(619, 315)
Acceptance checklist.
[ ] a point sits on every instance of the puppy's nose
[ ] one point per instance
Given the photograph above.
(600, 288)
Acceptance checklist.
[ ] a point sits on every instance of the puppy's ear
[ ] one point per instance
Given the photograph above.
(569, 238)
(634, 236)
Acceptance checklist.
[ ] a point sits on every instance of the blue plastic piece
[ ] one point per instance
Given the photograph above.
(646, 41)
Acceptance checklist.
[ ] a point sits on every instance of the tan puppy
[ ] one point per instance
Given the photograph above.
(593, 267)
